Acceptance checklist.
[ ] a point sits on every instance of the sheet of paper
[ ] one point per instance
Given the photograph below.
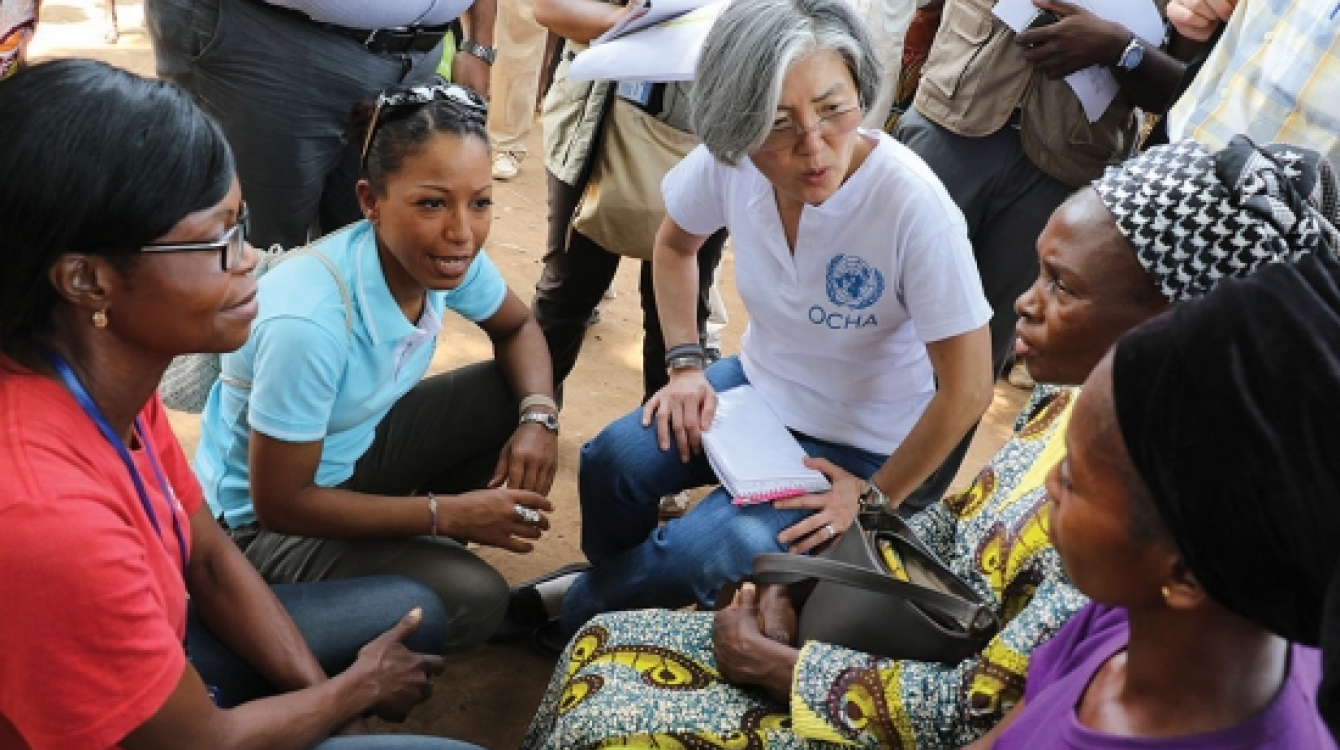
(1095, 86)
(667, 51)
(644, 13)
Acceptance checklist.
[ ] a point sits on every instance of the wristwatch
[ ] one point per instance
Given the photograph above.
(1132, 56)
(543, 418)
(487, 54)
(873, 498)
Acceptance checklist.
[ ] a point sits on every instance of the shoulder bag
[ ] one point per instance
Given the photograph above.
(880, 590)
(621, 208)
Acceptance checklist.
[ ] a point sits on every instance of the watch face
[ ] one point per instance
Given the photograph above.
(549, 421)
(1132, 57)
(873, 497)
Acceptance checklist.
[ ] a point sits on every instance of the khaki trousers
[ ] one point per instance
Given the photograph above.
(515, 78)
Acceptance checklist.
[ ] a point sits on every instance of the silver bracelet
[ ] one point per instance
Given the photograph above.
(432, 515)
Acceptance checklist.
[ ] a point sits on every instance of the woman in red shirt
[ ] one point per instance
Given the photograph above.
(130, 618)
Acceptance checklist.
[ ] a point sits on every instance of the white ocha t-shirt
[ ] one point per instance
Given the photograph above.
(837, 330)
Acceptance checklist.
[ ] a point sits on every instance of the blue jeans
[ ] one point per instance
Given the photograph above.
(622, 476)
(336, 618)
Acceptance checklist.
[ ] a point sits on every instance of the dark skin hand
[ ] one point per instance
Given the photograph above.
(288, 501)
(386, 680)
(744, 655)
(529, 461)
(403, 678)
(1081, 39)
(779, 612)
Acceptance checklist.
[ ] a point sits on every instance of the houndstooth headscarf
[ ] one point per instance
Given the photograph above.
(1194, 217)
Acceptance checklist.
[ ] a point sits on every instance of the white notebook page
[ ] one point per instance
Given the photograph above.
(753, 454)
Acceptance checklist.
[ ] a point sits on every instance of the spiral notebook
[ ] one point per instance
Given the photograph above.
(753, 454)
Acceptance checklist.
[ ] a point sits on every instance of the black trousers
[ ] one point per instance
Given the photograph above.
(443, 436)
(577, 271)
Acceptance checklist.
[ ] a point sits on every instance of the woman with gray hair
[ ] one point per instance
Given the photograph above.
(867, 331)
(1165, 227)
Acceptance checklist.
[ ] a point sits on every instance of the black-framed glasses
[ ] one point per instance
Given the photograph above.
(230, 247)
(785, 135)
(417, 96)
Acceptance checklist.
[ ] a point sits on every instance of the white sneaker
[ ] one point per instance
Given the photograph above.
(505, 165)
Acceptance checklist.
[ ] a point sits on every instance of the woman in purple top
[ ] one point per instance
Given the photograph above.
(1189, 508)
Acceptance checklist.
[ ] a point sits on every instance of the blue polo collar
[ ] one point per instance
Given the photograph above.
(378, 310)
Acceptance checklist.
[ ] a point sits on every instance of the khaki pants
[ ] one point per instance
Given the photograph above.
(516, 74)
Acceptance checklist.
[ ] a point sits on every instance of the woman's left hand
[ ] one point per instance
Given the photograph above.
(834, 510)
(744, 655)
(528, 461)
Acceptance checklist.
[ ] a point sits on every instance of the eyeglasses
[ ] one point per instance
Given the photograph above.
(785, 135)
(417, 96)
(230, 247)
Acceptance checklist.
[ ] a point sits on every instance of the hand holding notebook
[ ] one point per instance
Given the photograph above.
(753, 454)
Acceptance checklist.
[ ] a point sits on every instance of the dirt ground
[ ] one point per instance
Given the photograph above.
(488, 696)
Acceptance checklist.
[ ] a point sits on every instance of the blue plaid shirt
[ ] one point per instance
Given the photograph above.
(1275, 76)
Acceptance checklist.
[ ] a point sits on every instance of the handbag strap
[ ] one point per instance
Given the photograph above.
(339, 284)
(885, 522)
(785, 568)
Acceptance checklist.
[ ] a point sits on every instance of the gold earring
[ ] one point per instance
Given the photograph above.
(1167, 593)
(100, 318)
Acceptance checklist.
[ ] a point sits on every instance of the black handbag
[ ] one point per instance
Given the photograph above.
(921, 611)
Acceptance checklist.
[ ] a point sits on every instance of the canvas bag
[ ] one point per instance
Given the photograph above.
(922, 612)
(621, 208)
(189, 378)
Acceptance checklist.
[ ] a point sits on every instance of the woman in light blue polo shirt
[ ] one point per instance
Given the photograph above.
(323, 450)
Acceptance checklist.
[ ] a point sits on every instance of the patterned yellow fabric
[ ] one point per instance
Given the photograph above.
(994, 536)
(648, 679)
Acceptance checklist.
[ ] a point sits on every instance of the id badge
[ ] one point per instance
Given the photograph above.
(637, 92)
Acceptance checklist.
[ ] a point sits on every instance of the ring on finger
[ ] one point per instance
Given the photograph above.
(831, 531)
(528, 515)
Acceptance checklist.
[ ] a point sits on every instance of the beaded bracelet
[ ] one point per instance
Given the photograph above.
(686, 362)
(685, 350)
(537, 399)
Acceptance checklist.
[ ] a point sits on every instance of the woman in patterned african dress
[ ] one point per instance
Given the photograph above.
(1113, 255)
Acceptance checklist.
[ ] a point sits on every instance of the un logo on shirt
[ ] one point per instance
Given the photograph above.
(853, 283)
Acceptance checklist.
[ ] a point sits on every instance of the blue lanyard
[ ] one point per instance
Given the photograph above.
(90, 408)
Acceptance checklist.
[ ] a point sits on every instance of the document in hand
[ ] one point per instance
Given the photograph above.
(753, 454)
(659, 40)
(1095, 86)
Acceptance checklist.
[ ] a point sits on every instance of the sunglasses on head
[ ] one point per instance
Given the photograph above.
(418, 96)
